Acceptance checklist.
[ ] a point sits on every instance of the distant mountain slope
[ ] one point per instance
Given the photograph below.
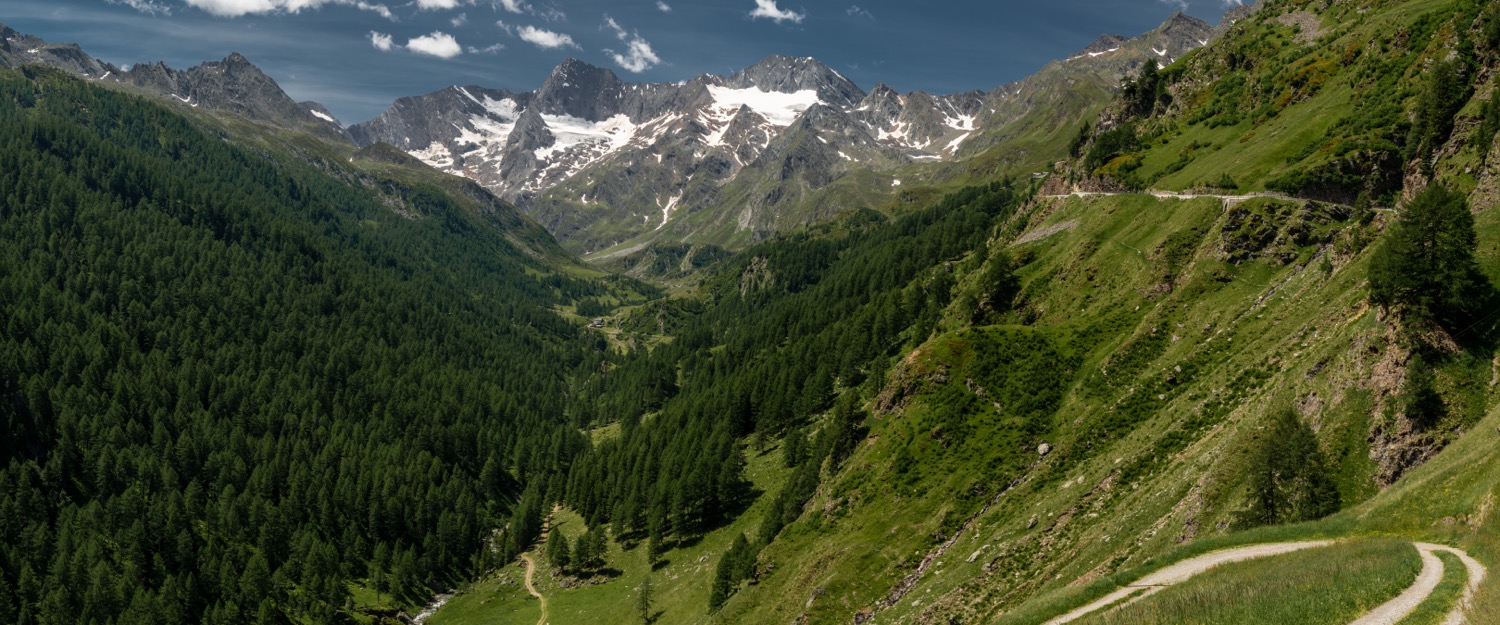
(726, 160)
(233, 84)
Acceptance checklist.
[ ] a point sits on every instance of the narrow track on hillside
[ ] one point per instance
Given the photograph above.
(1388, 613)
(531, 588)
(1228, 200)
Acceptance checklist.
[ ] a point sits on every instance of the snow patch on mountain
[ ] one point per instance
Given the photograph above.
(778, 108)
(666, 211)
(571, 132)
(436, 155)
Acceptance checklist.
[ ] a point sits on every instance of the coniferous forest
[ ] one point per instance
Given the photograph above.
(228, 384)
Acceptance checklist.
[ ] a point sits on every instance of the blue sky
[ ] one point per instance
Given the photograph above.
(356, 56)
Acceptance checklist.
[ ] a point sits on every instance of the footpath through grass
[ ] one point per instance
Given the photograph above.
(1440, 602)
(1323, 586)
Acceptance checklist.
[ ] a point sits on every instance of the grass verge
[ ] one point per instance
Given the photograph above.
(1323, 586)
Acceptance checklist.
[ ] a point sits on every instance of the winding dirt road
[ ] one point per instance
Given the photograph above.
(531, 588)
(1388, 613)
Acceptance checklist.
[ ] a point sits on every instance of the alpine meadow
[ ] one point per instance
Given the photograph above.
(1196, 325)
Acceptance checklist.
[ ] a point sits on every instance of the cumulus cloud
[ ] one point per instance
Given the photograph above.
(433, 5)
(489, 49)
(438, 44)
(381, 41)
(858, 11)
(1180, 5)
(459, 20)
(663, 7)
(638, 55)
(545, 38)
(514, 6)
(769, 10)
(236, 8)
(145, 6)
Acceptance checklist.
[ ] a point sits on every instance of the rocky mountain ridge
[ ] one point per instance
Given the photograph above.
(233, 84)
(724, 160)
(600, 161)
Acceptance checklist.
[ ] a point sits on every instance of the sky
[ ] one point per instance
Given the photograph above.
(357, 56)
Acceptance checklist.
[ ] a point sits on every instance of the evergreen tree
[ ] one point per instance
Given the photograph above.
(583, 554)
(643, 601)
(1419, 398)
(792, 447)
(998, 285)
(558, 553)
(1424, 267)
(1289, 480)
(1449, 84)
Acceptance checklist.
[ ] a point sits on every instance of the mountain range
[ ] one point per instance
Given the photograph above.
(723, 160)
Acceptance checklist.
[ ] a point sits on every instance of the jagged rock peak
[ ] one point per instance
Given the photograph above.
(788, 74)
(1185, 24)
(1104, 43)
(882, 90)
(572, 70)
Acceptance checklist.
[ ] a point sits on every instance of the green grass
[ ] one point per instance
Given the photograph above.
(1437, 605)
(1323, 586)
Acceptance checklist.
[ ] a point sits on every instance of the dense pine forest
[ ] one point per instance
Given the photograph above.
(230, 383)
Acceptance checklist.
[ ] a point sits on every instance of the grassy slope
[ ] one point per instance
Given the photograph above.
(1129, 477)
(1304, 103)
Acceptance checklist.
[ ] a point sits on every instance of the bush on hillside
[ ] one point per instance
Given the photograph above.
(1113, 142)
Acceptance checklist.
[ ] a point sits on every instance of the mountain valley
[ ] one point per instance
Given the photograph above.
(766, 347)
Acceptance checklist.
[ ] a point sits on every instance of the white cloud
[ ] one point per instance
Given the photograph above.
(1233, 3)
(432, 5)
(382, 42)
(489, 49)
(615, 26)
(232, 8)
(378, 9)
(1180, 5)
(521, 7)
(857, 11)
(459, 20)
(438, 44)
(545, 38)
(236, 8)
(145, 6)
(769, 10)
(638, 55)
(509, 29)
(663, 7)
